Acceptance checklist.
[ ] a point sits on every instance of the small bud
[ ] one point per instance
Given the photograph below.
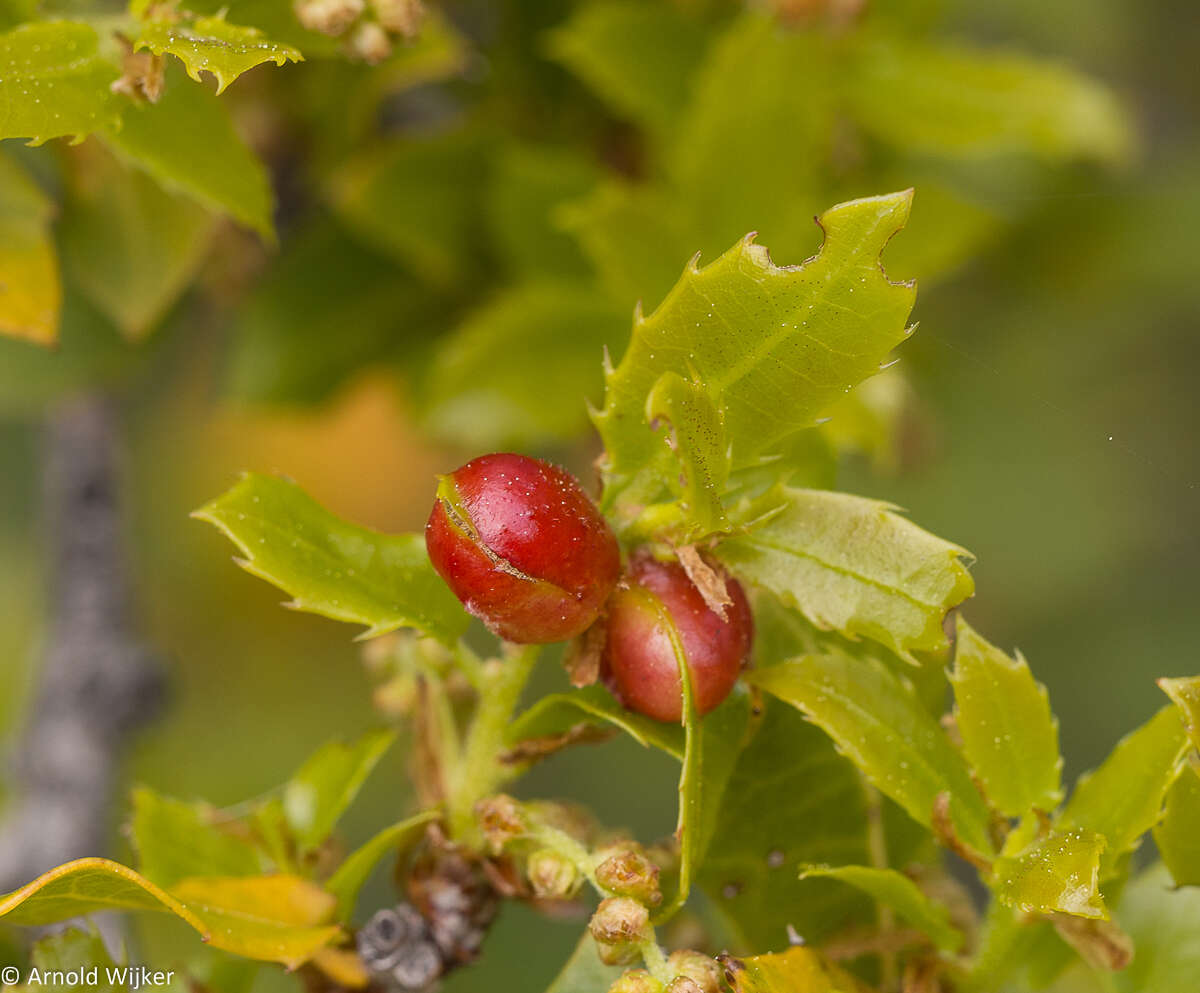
(681, 984)
(370, 43)
(404, 17)
(501, 820)
(703, 972)
(553, 876)
(636, 981)
(331, 17)
(617, 926)
(628, 872)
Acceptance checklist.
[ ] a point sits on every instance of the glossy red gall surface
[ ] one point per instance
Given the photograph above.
(523, 547)
(656, 607)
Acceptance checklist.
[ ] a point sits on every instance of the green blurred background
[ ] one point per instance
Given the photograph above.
(1054, 436)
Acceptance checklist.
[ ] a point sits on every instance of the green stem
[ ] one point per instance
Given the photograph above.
(878, 852)
(656, 961)
(480, 771)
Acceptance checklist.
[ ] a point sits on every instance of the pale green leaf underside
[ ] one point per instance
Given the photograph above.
(1178, 834)
(1009, 735)
(560, 712)
(1123, 798)
(332, 567)
(53, 82)
(324, 787)
(1055, 874)
(1162, 923)
(879, 723)
(853, 565)
(583, 971)
(88, 886)
(210, 44)
(895, 890)
(774, 345)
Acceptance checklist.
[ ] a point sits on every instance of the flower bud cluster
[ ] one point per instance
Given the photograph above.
(691, 972)
(370, 33)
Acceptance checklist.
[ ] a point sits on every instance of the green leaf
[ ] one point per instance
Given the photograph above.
(638, 57)
(1009, 735)
(76, 949)
(952, 100)
(1123, 798)
(352, 874)
(774, 346)
(53, 82)
(789, 972)
(418, 200)
(322, 789)
(324, 309)
(584, 972)
(1178, 834)
(1162, 923)
(895, 890)
(1058, 873)
(14, 12)
(211, 44)
(331, 567)
(853, 565)
(30, 295)
(131, 247)
(517, 372)
(187, 142)
(878, 722)
(175, 839)
(262, 924)
(560, 712)
(1185, 692)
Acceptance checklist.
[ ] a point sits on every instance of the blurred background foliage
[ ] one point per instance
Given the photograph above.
(462, 229)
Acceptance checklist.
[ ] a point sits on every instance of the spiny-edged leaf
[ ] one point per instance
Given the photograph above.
(1058, 873)
(54, 82)
(949, 99)
(211, 44)
(87, 886)
(352, 874)
(187, 142)
(693, 428)
(792, 800)
(560, 712)
(73, 949)
(878, 722)
(517, 372)
(797, 969)
(711, 747)
(175, 839)
(895, 890)
(637, 57)
(853, 565)
(584, 972)
(418, 201)
(277, 918)
(775, 346)
(127, 243)
(1009, 735)
(325, 308)
(1178, 834)
(1123, 798)
(332, 567)
(322, 789)
(30, 295)
(1185, 692)
(1162, 923)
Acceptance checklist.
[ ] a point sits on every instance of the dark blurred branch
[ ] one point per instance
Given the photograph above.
(97, 682)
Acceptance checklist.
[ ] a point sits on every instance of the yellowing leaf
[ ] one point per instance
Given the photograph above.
(54, 82)
(266, 917)
(773, 346)
(331, 567)
(853, 565)
(210, 44)
(1058, 873)
(879, 723)
(798, 970)
(30, 295)
(1009, 735)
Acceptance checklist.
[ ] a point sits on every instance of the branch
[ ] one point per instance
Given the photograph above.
(97, 683)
